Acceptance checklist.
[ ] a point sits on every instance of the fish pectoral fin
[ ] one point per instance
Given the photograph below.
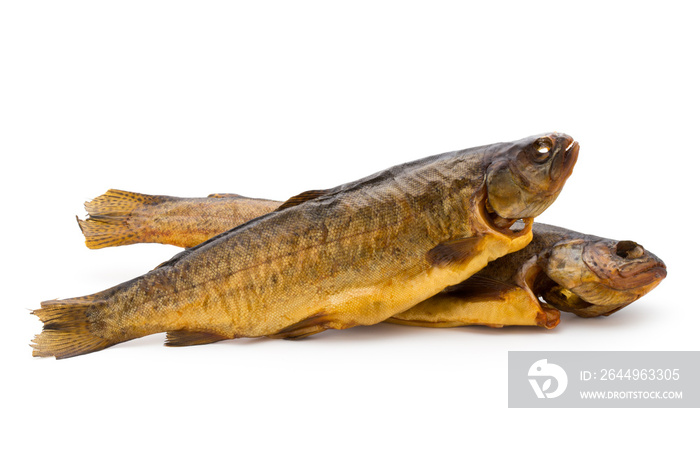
(191, 338)
(455, 251)
(311, 325)
(303, 197)
(481, 288)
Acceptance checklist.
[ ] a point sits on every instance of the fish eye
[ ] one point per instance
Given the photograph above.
(543, 147)
(629, 250)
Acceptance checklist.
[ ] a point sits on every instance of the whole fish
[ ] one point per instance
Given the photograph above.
(352, 255)
(612, 275)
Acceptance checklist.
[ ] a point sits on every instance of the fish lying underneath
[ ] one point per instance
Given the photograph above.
(560, 270)
(352, 255)
(528, 287)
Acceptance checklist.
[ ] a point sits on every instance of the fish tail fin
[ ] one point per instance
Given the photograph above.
(117, 218)
(67, 328)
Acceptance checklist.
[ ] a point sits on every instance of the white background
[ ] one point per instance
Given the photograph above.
(190, 98)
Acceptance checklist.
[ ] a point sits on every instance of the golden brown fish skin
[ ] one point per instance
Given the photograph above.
(592, 276)
(528, 182)
(509, 305)
(477, 301)
(573, 272)
(119, 218)
(355, 255)
(532, 180)
(512, 305)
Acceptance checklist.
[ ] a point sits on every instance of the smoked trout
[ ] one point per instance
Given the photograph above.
(496, 296)
(560, 270)
(352, 255)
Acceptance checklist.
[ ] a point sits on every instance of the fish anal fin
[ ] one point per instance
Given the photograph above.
(311, 325)
(303, 197)
(455, 251)
(191, 338)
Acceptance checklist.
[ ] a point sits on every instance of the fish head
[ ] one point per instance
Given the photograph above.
(597, 277)
(528, 175)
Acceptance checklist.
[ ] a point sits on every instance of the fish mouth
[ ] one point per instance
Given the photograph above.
(630, 267)
(563, 166)
(642, 275)
(651, 268)
(570, 158)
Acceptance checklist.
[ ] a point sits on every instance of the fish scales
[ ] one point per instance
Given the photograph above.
(352, 255)
(500, 300)
(232, 274)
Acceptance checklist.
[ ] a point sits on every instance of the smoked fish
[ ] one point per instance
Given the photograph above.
(560, 270)
(528, 287)
(352, 255)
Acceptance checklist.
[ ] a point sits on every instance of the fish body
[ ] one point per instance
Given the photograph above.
(353, 255)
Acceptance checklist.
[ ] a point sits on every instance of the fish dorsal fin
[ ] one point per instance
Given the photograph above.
(190, 338)
(173, 259)
(303, 197)
(478, 288)
(454, 251)
(224, 195)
